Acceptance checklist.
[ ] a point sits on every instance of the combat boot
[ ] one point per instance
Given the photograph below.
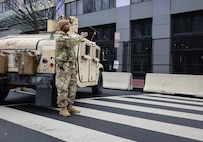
(64, 112)
(73, 109)
(13, 90)
(23, 89)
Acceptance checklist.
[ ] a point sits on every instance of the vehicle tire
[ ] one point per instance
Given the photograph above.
(97, 89)
(3, 93)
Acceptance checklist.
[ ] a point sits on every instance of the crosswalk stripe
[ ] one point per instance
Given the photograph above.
(58, 129)
(174, 100)
(143, 109)
(173, 97)
(157, 126)
(189, 107)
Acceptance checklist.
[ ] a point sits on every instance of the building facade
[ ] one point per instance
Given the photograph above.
(159, 36)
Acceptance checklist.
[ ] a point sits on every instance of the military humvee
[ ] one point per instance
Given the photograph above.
(29, 61)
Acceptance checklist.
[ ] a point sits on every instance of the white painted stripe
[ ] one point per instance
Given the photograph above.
(159, 103)
(162, 127)
(144, 109)
(18, 104)
(26, 92)
(173, 97)
(168, 99)
(58, 129)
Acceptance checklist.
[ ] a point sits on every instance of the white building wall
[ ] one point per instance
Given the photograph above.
(123, 27)
(141, 10)
(180, 6)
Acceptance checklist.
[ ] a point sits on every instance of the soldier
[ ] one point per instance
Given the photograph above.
(66, 68)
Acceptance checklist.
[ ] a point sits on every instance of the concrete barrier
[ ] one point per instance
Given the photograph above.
(117, 80)
(174, 84)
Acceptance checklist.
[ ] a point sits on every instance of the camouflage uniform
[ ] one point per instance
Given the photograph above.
(66, 68)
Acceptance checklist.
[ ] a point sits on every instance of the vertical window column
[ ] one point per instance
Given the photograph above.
(186, 43)
(141, 47)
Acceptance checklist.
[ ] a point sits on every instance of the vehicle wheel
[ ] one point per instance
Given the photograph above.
(97, 89)
(3, 93)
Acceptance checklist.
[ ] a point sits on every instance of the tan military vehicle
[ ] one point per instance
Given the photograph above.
(29, 61)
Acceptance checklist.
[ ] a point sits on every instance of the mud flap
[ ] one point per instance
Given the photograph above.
(44, 90)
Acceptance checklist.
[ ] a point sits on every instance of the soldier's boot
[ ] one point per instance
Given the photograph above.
(73, 109)
(64, 112)
(13, 90)
(23, 89)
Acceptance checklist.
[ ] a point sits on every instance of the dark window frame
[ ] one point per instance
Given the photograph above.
(138, 1)
(186, 44)
(183, 24)
(86, 7)
(108, 53)
(4, 6)
(141, 47)
(69, 9)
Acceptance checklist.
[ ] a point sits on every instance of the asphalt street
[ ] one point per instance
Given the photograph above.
(116, 115)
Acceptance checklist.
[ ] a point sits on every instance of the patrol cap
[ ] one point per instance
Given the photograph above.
(62, 22)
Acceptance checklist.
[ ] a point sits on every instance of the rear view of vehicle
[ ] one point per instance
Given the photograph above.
(29, 61)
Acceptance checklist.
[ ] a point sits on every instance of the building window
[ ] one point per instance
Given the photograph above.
(104, 37)
(102, 5)
(136, 1)
(187, 23)
(97, 5)
(141, 29)
(186, 43)
(4, 6)
(141, 47)
(29, 1)
(79, 7)
(1, 8)
(71, 9)
(100, 33)
(87, 6)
